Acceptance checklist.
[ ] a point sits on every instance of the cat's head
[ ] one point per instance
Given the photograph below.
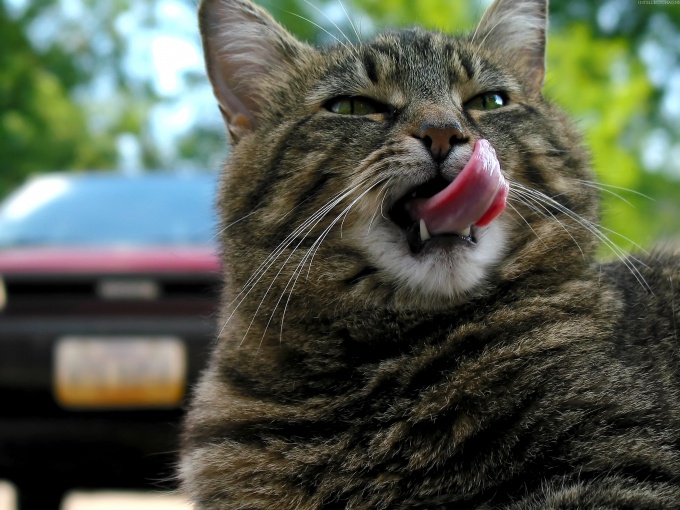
(337, 150)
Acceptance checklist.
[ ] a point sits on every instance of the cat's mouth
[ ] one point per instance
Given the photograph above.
(444, 212)
(416, 230)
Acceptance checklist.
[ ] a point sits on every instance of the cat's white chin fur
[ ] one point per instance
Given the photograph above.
(448, 274)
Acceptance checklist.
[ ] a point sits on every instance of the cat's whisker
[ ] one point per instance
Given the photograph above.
(349, 175)
(525, 220)
(273, 256)
(317, 243)
(622, 188)
(318, 214)
(474, 34)
(309, 224)
(273, 281)
(382, 191)
(582, 221)
(293, 235)
(540, 198)
(542, 211)
(349, 41)
(316, 218)
(627, 239)
(350, 48)
(547, 211)
(382, 204)
(298, 270)
(609, 192)
(621, 254)
(602, 187)
(343, 214)
(271, 259)
(224, 229)
(280, 219)
(313, 250)
(351, 23)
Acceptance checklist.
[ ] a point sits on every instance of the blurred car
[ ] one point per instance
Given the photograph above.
(109, 287)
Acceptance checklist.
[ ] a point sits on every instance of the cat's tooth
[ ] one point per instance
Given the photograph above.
(466, 232)
(424, 233)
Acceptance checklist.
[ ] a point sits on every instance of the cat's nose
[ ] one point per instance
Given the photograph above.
(440, 139)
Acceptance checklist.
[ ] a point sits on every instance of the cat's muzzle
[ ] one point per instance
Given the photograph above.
(447, 213)
(415, 229)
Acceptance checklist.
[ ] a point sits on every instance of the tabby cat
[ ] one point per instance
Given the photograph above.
(413, 316)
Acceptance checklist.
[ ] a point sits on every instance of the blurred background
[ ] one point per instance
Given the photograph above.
(119, 86)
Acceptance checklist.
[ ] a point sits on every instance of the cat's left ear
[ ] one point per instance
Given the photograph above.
(516, 29)
(243, 47)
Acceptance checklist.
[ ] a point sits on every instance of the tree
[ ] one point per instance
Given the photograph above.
(66, 100)
(41, 128)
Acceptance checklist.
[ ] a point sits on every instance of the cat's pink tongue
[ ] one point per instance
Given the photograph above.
(475, 197)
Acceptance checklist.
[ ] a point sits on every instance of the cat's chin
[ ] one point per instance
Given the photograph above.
(447, 267)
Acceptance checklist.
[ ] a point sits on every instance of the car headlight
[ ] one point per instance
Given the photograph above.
(3, 294)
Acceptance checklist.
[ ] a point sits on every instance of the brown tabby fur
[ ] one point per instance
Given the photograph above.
(522, 375)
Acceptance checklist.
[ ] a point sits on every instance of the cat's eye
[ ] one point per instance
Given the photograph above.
(487, 101)
(355, 106)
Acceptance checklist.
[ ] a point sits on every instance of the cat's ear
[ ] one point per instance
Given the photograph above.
(517, 29)
(242, 45)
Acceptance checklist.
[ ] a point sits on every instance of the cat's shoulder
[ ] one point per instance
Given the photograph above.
(650, 273)
(649, 290)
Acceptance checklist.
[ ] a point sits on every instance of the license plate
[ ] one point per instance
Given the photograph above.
(119, 372)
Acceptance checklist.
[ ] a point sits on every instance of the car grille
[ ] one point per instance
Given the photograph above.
(126, 294)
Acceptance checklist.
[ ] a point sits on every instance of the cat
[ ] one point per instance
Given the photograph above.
(413, 315)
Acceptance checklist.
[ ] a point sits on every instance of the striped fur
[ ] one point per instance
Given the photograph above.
(350, 373)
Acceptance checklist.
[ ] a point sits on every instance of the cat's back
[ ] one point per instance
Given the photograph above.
(647, 331)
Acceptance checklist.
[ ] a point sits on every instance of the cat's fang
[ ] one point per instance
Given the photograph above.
(424, 234)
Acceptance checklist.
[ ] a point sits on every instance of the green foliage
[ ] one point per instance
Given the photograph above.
(296, 16)
(606, 89)
(442, 15)
(604, 86)
(49, 118)
(40, 127)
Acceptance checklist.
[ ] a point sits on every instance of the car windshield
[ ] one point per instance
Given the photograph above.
(104, 210)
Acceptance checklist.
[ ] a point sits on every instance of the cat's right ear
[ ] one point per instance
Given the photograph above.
(242, 45)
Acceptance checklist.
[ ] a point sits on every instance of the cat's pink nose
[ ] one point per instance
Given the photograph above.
(440, 139)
